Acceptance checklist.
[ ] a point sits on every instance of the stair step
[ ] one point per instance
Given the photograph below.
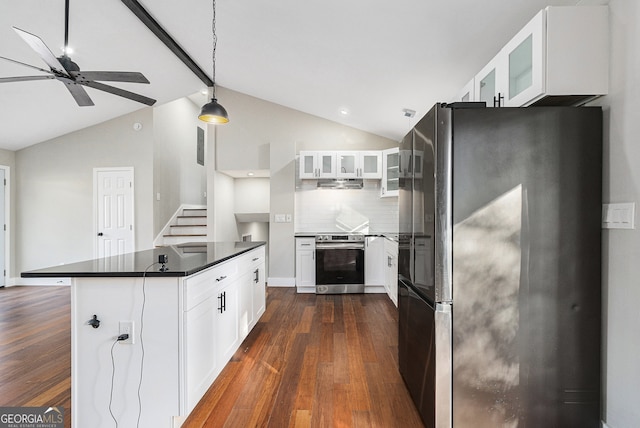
(194, 212)
(181, 239)
(190, 221)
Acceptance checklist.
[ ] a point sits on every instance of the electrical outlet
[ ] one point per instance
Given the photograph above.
(126, 327)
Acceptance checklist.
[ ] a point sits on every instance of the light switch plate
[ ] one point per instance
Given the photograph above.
(619, 216)
(280, 218)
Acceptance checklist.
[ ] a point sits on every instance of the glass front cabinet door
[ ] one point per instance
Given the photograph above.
(364, 164)
(524, 58)
(317, 165)
(390, 173)
(516, 74)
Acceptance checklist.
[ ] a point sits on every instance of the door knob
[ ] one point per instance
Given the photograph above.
(100, 234)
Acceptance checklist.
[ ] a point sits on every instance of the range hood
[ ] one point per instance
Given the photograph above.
(340, 183)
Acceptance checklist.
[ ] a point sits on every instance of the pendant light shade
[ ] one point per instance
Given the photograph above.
(212, 112)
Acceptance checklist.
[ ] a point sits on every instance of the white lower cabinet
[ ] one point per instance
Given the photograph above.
(227, 322)
(391, 270)
(305, 265)
(373, 268)
(259, 292)
(200, 350)
(231, 300)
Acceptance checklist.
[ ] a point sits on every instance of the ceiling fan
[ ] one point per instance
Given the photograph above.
(63, 69)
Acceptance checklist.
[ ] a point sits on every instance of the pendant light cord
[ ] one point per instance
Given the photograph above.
(215, 42)
(66, 27)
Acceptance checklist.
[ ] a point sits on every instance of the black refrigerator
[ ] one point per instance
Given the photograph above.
(499, 266)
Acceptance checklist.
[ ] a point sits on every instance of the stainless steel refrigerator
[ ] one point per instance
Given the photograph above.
(500, 266)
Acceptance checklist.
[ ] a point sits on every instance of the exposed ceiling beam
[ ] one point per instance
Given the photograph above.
(161, 34)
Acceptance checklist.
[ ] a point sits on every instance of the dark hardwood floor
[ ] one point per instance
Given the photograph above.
(312, 361)
(35, 347)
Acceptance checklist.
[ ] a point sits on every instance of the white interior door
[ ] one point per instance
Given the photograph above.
(113, 194)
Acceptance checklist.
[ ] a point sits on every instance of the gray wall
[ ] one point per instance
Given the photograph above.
(177, 176)
(54, 197)
(621, 270)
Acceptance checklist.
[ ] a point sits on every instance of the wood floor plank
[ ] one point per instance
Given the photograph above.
(322, 415)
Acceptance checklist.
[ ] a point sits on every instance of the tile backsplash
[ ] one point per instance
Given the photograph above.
(344, 210)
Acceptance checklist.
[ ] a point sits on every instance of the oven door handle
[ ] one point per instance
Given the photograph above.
(338, 246)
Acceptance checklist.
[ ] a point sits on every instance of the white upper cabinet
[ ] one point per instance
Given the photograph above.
(317, 164)
(559, 58)
(467, 93)
(390, 172)
(366, 164)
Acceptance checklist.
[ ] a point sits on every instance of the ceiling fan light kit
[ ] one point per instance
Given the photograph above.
(212, 112)
(68, 72)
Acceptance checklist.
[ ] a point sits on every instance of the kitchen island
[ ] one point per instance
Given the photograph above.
(148, 338)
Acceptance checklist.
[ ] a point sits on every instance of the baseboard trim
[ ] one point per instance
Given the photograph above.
(281, 282)
(39, 282)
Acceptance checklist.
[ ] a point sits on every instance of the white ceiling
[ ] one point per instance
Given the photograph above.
(371, 57)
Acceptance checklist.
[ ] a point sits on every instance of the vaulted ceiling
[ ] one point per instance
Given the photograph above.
(372, 58)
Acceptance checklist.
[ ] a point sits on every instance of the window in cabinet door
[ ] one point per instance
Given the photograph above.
(521, 67)
(488, 87)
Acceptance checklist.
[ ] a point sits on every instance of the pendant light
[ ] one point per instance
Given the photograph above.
(212, 112)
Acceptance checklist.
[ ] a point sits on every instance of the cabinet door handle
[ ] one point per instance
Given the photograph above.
(224, 300)
(389, 261)
(221, 278)
(256, 279)
(256, 258)
(220, 305)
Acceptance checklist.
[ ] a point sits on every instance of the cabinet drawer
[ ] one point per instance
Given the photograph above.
(305, 243)
(255, 258)
(204, 284)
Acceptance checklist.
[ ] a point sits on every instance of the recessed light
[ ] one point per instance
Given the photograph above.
(344, 111)
(250, 174)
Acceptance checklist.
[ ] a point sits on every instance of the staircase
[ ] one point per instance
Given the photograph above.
(190, 226)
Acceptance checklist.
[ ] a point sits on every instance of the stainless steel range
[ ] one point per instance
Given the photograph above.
(339, 263)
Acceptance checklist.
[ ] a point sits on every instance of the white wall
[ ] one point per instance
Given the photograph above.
(621, 270)
(54, 197)
(251, 195)
(177, 176)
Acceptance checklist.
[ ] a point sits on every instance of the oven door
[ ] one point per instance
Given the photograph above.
(339, 268)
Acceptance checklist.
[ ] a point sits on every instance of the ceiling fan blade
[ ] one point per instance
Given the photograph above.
(78, 92)
(120, 92)
(110, 76)
(24, 78)
(27, 65)
(41, 49)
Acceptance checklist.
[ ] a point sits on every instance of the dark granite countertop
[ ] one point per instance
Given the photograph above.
(184, 260)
